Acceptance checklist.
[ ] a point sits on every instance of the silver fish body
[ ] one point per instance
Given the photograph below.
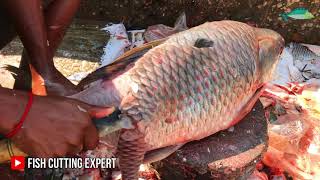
(305, 60)
(191, 86)
(300, 52)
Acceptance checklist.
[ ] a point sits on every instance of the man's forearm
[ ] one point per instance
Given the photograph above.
(29, 21)
(58, 16)
(12, 105)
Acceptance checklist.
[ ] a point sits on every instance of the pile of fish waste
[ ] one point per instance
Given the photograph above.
(292, 105)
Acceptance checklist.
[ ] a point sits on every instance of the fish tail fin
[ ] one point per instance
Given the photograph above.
(22, 77)
(31, 80)
(13, 70)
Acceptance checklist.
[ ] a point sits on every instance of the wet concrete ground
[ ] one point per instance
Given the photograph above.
(80, 51)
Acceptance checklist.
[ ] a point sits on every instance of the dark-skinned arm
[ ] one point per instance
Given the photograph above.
(29, 21)
(41, 33)
(55, 126)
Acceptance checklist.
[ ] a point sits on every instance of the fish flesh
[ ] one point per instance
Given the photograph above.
(183, 88)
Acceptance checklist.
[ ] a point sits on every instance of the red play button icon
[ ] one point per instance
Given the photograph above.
(17, 162)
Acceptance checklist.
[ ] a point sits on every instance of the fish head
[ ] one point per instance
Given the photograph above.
(270, 46)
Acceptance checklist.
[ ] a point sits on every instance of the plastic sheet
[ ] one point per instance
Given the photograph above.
(117, 43)
(160, 31)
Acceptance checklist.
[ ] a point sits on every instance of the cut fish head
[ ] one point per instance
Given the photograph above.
(270, 47)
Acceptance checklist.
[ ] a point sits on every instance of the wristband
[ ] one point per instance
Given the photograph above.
(22, 119)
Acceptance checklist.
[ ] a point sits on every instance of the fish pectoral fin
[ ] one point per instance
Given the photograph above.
(120, 64)
(248, 106)
(202, 43)
(31, 79)
(159, 154)
(19, 73)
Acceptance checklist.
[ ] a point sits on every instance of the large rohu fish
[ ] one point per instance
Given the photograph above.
(183, 88)
(190, 86)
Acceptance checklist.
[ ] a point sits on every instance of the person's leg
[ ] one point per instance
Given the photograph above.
(58, 16)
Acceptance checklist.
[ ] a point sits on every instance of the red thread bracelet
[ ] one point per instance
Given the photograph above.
(22, 119)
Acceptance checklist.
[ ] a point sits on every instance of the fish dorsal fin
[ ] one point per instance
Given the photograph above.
(110, 71)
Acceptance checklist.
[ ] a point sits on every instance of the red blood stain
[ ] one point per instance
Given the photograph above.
(222, 74)
(214, 68)
(164, 91)
(170, 120)
(215, 90)
(182, 97)
(259, 166)
(212, 101)
(206, 72)
(206, 84)
(150, 92)
(214, 79)
(306, 140)
(198, 78)
(190, 102)
(158, 60)
(173, 102)
(199, 89)
(223, 85)
(120, 37)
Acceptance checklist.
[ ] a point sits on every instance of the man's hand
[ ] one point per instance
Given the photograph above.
(57, 84)
(55, 126)
(51, 83)
(41, 30)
